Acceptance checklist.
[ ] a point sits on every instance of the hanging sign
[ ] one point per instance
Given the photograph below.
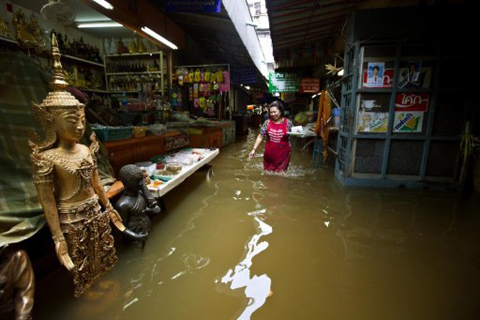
(211, 6)
(411, 102)
(408, 121)
(243, 75)
(283, 82)
(309, 85)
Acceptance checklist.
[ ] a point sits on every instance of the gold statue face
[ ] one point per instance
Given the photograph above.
(70, 124)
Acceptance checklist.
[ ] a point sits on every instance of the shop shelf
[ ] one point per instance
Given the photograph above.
(133, 54)
(129, 73)
(83, 60)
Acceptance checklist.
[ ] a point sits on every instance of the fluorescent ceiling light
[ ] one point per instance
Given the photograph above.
(155, 35)
(105, 24)
(104, 4)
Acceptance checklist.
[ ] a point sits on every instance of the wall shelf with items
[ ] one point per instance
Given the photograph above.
(135, 72)
(389, 126)
(83, 60)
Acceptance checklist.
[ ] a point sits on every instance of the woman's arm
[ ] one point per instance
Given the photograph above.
(255, 146)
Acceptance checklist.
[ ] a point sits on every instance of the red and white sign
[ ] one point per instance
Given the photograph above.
(309, 85)
(411, 102)
(387, 78)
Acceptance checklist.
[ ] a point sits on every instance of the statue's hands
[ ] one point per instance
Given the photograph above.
(141, 236)
(62, 253)
(151, 210)
(116, 219)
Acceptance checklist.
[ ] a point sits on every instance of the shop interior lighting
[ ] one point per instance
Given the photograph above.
(104, 4)
(104, 24)
(155, 35)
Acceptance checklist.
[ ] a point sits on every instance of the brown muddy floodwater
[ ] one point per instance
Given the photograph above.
(237, 243)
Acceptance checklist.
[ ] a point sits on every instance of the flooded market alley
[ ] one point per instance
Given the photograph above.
(237, 243)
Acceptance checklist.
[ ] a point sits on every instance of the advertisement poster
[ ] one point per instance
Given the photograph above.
(408, 121)
(387, 78)
(375, 74)
(372, 121)
(414, 76)
(411, 102)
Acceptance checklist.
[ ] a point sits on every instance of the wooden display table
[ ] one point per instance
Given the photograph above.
(135, 150)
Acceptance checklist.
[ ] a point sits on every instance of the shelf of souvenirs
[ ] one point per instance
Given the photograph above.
(83, 60)
(135, 91)
(132, 73)
(14, 41)
(134, 54)
(93, 90)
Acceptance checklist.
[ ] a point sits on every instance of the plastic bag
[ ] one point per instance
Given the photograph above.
(301, 118)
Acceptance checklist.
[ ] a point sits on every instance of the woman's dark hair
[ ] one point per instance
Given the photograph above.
(278, 105)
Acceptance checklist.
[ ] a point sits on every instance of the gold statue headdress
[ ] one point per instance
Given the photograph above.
(58, 99)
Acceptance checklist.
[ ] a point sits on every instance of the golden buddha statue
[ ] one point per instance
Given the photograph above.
(141, 46)
(69, 187)
(132, 47)
(4, 31)
(24, 37)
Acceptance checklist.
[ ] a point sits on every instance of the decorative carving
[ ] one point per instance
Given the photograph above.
(68, 185)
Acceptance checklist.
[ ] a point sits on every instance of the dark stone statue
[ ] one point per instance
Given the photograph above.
(137, 204)
(17, 285)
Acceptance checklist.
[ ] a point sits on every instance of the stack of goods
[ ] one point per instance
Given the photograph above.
(144, 82)
(78, 48)
(29, 33)
(167, 167)
(134, 66)
(139, 45)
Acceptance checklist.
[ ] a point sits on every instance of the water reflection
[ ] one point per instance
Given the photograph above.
(257, 288)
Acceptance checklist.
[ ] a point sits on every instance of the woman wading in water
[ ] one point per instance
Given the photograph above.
(277, 149)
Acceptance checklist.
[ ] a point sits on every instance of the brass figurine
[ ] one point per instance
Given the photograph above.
(17, 285)
(136, 204)
(69, 187)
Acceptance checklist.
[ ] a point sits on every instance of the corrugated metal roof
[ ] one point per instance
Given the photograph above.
(302, 22)
(298, 26)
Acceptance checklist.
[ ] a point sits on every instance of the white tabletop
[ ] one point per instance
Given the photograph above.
(186, 171)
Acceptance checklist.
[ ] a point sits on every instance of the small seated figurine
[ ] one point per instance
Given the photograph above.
(136, 204)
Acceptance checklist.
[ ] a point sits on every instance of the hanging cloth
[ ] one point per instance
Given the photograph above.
(323, 124)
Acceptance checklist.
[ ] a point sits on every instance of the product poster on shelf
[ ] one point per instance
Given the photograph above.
(387, 78)
(372, 121)
(411, 102)
(408, 121)
(375, 74)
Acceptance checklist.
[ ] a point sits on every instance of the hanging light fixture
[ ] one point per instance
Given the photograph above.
(158, 37)
(104, 4)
